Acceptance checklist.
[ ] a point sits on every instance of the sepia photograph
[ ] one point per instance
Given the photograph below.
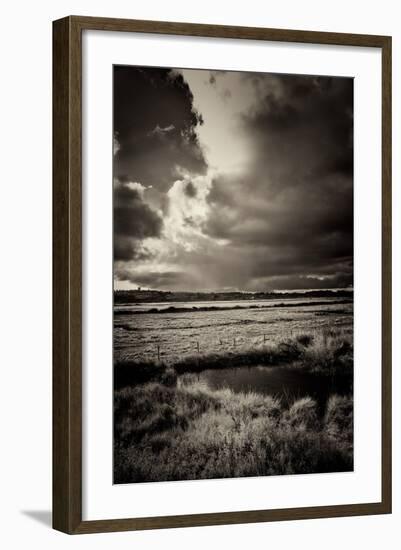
(232, 274)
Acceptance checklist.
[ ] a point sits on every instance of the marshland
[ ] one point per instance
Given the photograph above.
(232, 388)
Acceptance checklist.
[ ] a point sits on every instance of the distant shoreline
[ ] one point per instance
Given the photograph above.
(193, 309)
(154, 296)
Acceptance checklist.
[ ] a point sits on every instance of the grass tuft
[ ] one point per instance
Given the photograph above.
(191, 432)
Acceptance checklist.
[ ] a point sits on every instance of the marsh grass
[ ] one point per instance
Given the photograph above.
(325, 353)
(191, 432)
(170, 425)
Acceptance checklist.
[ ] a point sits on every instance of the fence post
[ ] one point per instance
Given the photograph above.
(197, 345)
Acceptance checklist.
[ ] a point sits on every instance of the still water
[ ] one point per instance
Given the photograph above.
(284, 382)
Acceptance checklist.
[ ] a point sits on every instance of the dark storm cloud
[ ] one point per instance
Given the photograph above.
(134, 221)
(301, 282)
(155, 126)
(153, 279)
(311, 115)
(291, 209)
(190, 190)
(127, 248)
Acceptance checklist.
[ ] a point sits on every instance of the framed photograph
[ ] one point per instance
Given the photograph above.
(222, 275)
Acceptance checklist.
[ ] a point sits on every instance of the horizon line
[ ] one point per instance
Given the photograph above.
(277, 291)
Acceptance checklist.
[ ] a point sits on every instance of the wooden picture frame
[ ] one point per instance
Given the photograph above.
(67, 274)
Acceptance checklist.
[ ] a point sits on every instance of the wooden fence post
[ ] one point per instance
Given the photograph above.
(197, 345)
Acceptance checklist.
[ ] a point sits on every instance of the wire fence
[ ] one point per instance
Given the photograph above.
(230, 343)
(236, 342)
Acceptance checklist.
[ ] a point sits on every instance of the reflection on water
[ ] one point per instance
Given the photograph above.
(284, 382)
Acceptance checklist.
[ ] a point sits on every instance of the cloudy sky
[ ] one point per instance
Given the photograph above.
(228, 180)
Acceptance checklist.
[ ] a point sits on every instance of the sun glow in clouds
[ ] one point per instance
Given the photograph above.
(187, 211)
